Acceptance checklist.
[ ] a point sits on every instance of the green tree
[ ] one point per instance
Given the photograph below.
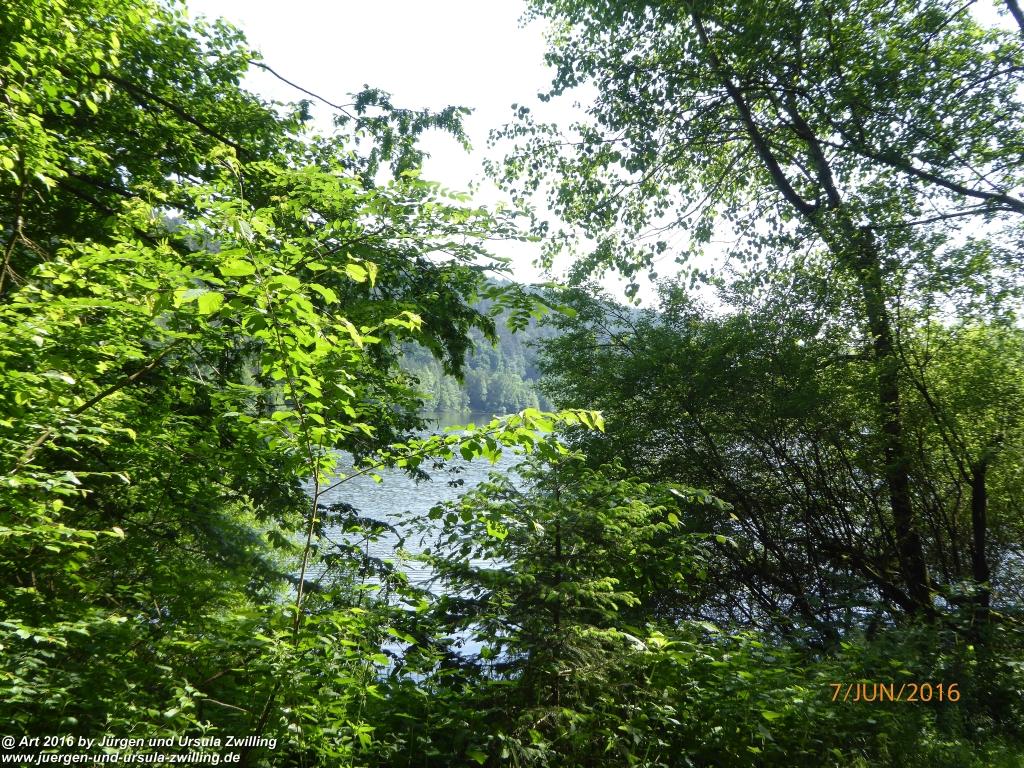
(768, 405)
(551, 573)
(201, 303)
(807, 128)
(500, 373)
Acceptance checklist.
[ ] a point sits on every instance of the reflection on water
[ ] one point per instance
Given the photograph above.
(399, 498)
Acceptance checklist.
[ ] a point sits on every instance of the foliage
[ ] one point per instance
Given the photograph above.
(816, 133)
(498, 378)
(558, 639)
(201, 304)
(768, 409)
(826, 397)
(782, 118)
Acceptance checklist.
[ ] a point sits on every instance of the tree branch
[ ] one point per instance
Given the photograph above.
(756, 137)
(29, 452)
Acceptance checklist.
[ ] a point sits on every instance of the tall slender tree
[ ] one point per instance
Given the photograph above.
(799, 126)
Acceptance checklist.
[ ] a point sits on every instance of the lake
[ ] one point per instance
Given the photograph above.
(399, 498)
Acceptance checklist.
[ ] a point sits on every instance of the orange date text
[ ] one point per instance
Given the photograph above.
(906, 692)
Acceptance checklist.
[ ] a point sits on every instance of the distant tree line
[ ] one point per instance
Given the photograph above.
(498, 377)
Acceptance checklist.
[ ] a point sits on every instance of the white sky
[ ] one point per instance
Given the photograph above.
(472, 53)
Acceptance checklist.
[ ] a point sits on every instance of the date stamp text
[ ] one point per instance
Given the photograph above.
(904, 692)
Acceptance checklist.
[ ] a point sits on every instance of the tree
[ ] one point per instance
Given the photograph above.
(761, 404)
(551, 573)
(816, 128)
(967, 389)
(200, 305)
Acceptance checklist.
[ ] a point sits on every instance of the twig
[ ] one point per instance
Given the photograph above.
(298, 87)
(92, 401)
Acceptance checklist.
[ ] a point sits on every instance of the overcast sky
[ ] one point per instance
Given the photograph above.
(472, 53)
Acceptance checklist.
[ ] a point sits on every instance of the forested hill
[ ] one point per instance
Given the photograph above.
(499, 378)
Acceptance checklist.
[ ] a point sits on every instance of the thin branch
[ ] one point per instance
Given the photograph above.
(974, 211)
(141, 93)
(747, 118)
(902, 164)
(298, 87)
(29, 452)
(16, 226)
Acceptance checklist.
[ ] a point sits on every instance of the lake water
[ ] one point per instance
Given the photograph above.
(398, 498)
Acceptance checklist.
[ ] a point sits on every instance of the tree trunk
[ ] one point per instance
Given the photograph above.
(856, 250)
(1017, 14)
(979, 529)
(865, 263)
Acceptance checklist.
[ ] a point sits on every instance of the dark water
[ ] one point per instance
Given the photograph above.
(398, 499)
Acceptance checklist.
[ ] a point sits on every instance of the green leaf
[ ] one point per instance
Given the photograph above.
(496, 530)
(210, 302)
(236, 268)
(356, 272)
(328, 294)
